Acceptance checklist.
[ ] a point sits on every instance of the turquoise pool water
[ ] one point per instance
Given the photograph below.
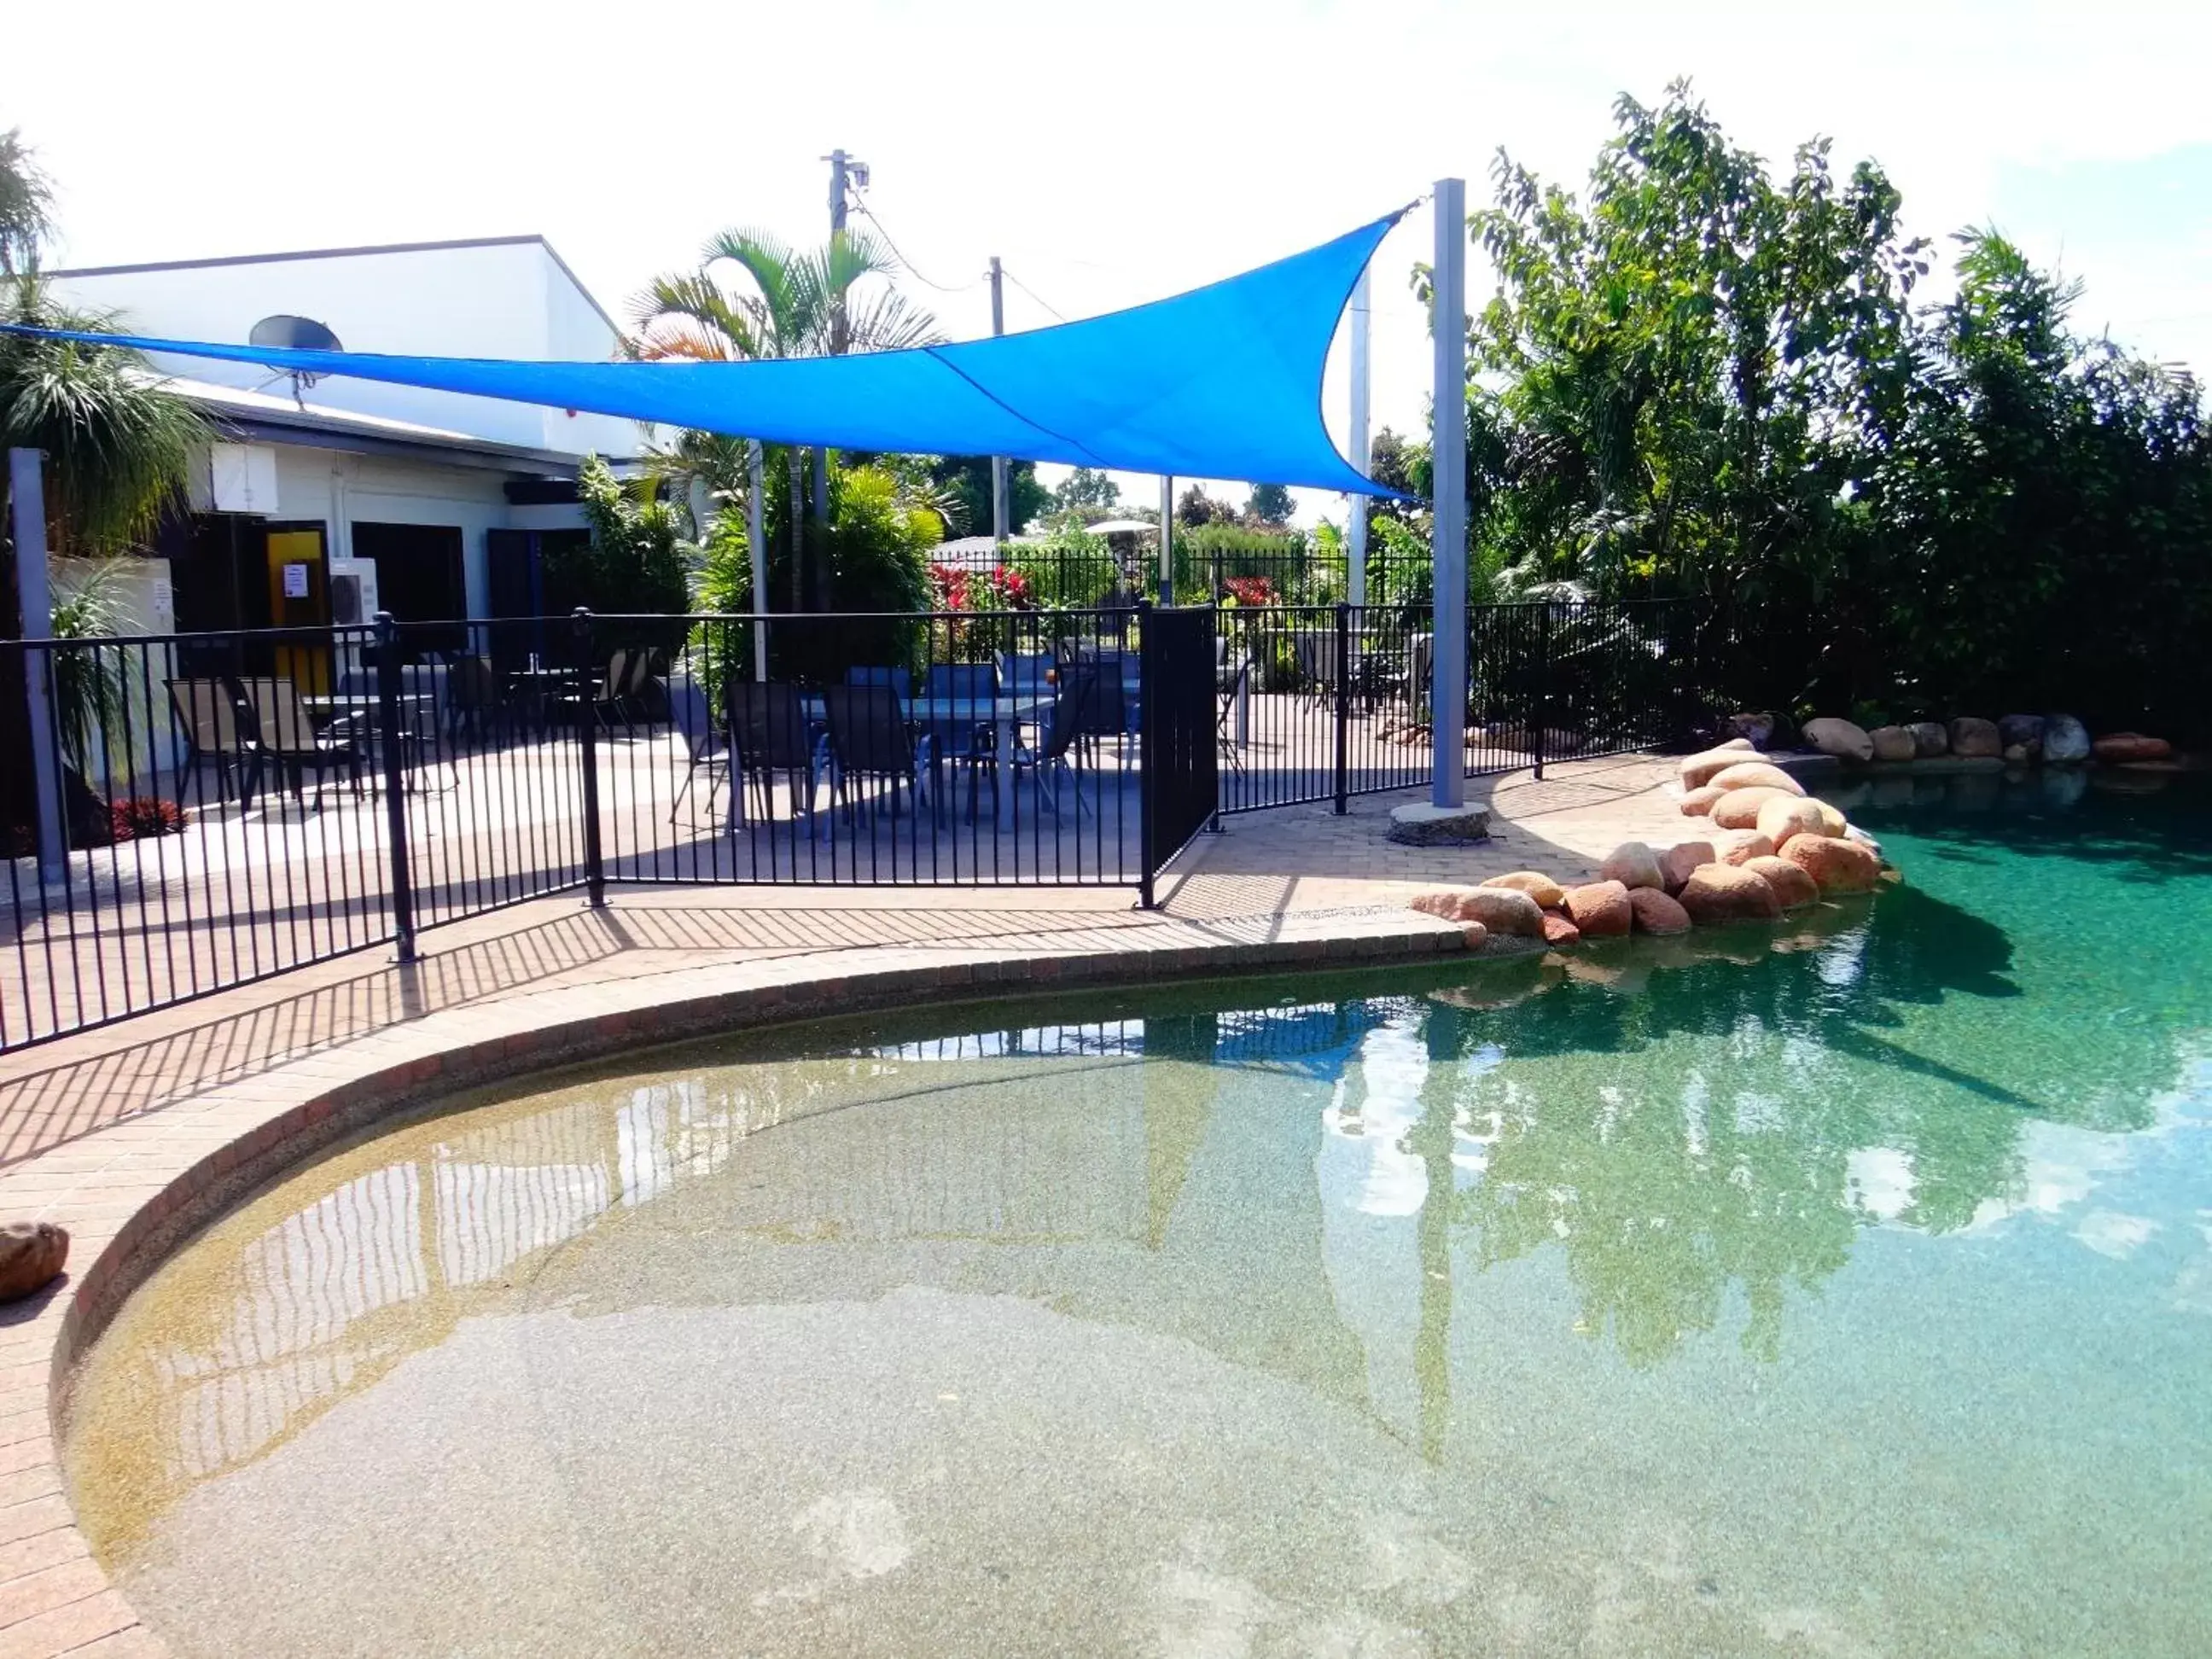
(1843, 1291)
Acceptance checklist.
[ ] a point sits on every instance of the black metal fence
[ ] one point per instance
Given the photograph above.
(233, 805)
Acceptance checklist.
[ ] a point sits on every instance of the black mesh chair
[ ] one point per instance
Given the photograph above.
(869, 742)
(968, 741)
(1063, 730)
(769, 735)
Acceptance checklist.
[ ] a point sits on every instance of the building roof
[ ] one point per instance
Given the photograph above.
(350, 253)
(273, 418)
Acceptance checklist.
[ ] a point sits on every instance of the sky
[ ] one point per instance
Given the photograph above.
(1109, 153)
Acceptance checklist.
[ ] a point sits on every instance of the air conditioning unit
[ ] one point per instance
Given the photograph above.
(353, 592)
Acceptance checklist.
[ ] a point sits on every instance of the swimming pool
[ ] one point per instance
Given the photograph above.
(1843, 1289)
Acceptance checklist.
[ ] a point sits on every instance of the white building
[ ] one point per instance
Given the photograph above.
(449, 497)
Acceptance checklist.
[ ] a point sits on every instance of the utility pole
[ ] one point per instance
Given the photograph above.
(1355, 536)
(28, 495)
(1448, 462)
(757, 549)
(999, 514)
(844, 173)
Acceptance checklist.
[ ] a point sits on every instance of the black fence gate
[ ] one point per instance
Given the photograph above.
(1180, 733)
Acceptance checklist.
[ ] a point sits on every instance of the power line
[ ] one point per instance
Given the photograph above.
(1033, 295)
(900, 254)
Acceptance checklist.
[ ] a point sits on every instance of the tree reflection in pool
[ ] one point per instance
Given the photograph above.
(1846, 1292)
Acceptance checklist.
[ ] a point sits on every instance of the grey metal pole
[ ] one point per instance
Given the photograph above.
(838, 165)
(1447, 460)
(1355, 535)
(26, 486)
(756, 549)
(1000, 514)
(1167, 540)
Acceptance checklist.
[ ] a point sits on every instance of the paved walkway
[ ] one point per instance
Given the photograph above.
(130, 1134)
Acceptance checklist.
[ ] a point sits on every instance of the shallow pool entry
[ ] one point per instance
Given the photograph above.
(1842, 1291)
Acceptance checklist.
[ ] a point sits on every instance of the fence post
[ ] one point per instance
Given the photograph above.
(587, 729)
(395, 786)
(1148, 700)
(1343, 708)
(1543, 683)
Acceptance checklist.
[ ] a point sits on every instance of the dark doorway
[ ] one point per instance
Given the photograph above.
(419, 578)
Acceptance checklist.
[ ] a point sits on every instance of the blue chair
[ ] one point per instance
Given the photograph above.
(900, 680)
(968, 741)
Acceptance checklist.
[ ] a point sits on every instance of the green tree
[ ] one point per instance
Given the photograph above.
(631, 562)
(1086, 486)
(1269, 504)
(965, 481)
(1194, 508)
(26, 200)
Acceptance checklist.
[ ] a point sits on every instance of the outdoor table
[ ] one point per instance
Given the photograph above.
(543, 687)
(334, 705)
(1004, 713)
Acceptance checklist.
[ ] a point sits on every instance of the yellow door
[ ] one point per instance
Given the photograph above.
(300, 597)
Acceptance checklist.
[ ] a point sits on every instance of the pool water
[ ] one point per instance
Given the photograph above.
(1840, 1289)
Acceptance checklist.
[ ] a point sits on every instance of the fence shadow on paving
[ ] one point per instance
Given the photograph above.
(236, 805)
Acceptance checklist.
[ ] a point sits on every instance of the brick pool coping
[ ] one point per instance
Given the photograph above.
(132, 1193)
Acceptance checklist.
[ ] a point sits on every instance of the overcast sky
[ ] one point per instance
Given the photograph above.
(1109, 153)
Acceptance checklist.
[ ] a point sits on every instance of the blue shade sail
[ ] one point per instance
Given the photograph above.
(1222, 382)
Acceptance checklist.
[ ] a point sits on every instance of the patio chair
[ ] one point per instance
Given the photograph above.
(645, 697)
(1106, 712)
(1316, 654)
(1023, 673)
(868, 740)
(607, 696)
(472, 698)
(965, 741)
(768, 734)
(286, 736)
(1064, 728)
(900, 680)
(207, 713)
(1224, 720)
(705, 748)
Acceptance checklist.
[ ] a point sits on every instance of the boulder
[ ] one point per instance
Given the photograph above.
(1783, 817)
(1548, 893)
(2065, 740)
(31, 1253)
(1793, 886)
(2118, 748)
(1700, 801)
(1601, 910)
(2022, 730)
(1502, 910)
(1632, 864)
(1841, 738)
(1832, 822)
(1976, 737)
(1893, 743)
(1756, 730)
(1742, 846)
(1838, 866)
(1697, 770)
(1558, 930)
(1756, 774)
(1739, 809)
(2018, 754)
(1654, 913)
(1852, 832)
(1929, 738)
(1678, 861)
(1723, 892)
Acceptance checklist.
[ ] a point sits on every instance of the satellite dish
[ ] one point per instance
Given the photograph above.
(288, 333)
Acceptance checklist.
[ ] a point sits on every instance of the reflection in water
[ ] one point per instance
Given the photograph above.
(1388, 1209)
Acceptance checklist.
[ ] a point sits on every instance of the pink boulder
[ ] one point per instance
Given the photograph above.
(1742, 846)
(1632, 864)
(1739, 809)
(1791, 883)
(1838, 866)
(1724, 892)
(1678, 861)
(1558, 930)
(2119, 748)
(1654, 913)
(1784, 817)
(1601, 910)
(1757, 774)
(1698, 802)
(1697, 770)
(1548, 893)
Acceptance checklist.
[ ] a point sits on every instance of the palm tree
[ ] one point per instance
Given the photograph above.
(27, 200)
(118, 445)
(797, 303)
